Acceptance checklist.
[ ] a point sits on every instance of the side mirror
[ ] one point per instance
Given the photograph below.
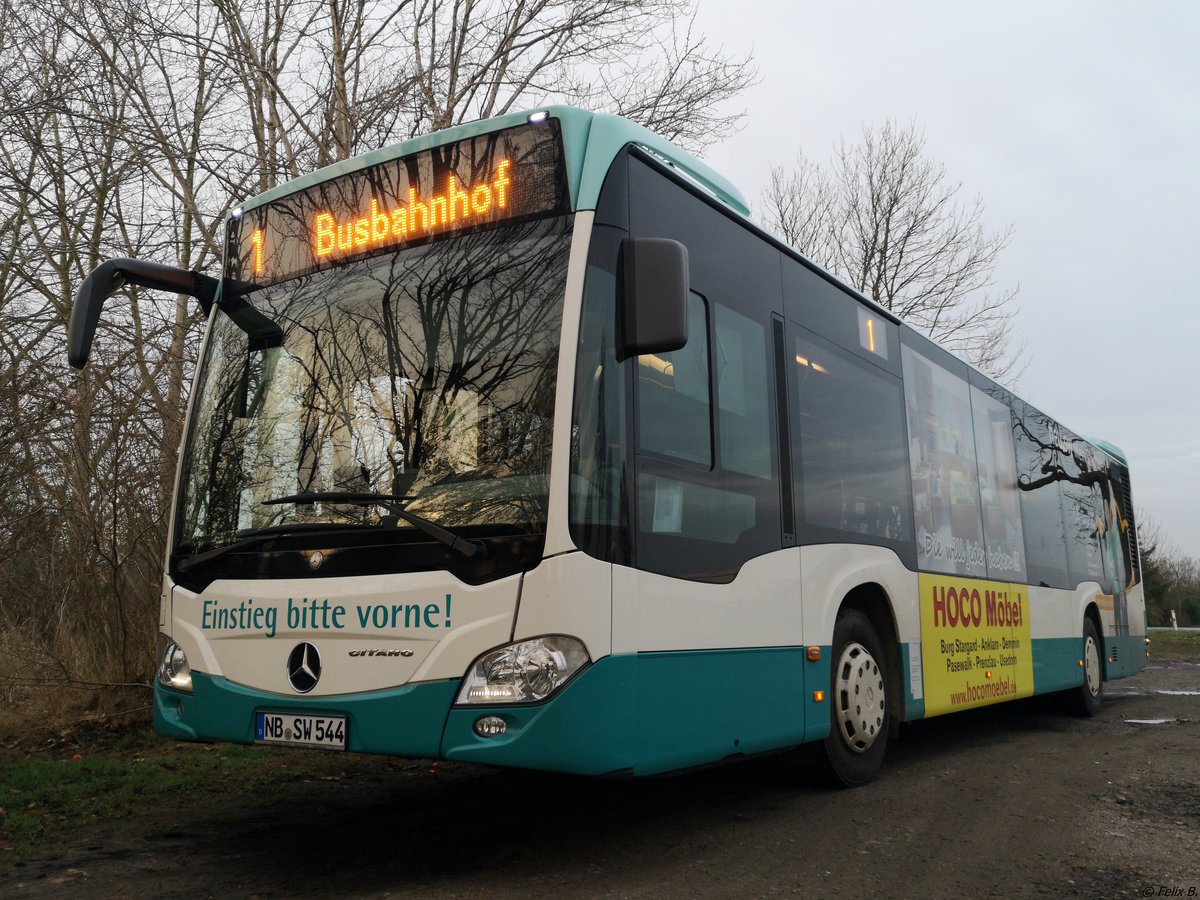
(110, 276)
(654, 279)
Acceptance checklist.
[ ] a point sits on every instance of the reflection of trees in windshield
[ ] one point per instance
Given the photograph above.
(427, 373)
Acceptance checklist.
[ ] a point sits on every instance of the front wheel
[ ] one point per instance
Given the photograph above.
(858, 711)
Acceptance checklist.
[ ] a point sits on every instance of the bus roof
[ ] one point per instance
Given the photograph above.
(1111, 449)
(590, 142)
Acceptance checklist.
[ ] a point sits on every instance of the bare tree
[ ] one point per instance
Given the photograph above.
(639, 58)
(132, 130)
(883, 217)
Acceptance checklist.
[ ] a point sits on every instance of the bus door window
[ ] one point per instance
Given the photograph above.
(704, 510)
(674, 408)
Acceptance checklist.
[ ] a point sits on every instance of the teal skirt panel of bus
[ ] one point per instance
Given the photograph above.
(404, 721)
(631, 713)
(649, 713)
(1126, 655)
(1057, 661)
(642, 714)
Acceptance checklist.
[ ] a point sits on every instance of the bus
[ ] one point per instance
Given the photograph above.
(520, 444)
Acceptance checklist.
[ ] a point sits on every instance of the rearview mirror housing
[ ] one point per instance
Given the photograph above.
(110, 276)
(654, 291)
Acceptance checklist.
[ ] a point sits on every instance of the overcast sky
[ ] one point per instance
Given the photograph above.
(1078, 124)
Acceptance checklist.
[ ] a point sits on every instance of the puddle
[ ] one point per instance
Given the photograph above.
(1180, 693)
(1155, 721)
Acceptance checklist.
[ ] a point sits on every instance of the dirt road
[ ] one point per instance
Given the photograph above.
(1010, 801)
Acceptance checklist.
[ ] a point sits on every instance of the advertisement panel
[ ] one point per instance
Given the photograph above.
(975, 643)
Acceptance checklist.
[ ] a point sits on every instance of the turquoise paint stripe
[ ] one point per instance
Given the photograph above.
(588, 729)
(818, 676)
(1056, 661)
(609, 134)
(702, 706)
(656, 712)
(404, 721)
(1056, 664)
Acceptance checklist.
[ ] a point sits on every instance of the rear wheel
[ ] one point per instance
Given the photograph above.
(1090, 695)
(858, 705)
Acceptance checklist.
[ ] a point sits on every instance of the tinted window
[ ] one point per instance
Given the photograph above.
(743, 394)
(693, 510)
(598, 437)
(695, 521)
(1083, 510)
(852, 453)
(998, 491)
(707, 498)
(1041, 504)
(945, 479)
(674, 412)
(837, 316)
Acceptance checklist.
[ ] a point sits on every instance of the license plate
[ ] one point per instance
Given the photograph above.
(325, 732)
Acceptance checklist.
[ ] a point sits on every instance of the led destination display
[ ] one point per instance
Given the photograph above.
(513, 174)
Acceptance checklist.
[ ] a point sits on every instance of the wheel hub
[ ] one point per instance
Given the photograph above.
(1091, 665)
(859, 697)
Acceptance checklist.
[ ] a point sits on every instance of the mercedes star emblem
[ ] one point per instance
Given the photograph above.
(304, 668)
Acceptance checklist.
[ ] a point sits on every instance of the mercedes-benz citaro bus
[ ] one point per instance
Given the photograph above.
(520, 444)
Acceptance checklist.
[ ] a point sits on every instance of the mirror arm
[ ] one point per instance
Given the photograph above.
(111, 275)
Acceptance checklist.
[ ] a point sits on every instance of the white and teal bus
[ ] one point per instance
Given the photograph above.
(520, 444)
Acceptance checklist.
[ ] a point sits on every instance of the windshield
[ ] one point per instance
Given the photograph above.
(427, 373)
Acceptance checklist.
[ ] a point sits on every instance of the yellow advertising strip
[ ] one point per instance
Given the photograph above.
(975, 644)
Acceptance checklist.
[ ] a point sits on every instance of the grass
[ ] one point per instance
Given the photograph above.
(1175, 645)
(47, 794)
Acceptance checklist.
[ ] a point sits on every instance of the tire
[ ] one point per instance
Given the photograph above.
(1090, 695)
(858, 702)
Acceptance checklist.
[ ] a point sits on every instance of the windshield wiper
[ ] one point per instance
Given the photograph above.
(469, 548)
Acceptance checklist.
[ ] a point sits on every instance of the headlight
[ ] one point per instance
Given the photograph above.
(524, 672)
(173, 671)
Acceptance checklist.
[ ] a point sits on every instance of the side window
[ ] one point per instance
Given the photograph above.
(1083, 512)
(599, 447)
(852, 444)
(743, 394)
(1041, 504)
(998, 490)
(674, 407)
(945, 476)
